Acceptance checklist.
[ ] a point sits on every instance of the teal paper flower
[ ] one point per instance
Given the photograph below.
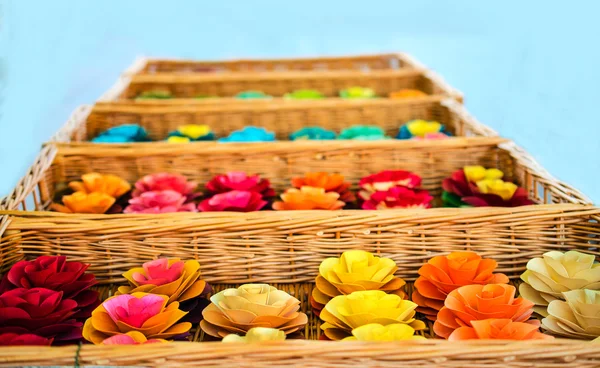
(251, 95)
(250, 134)
(155, 95)
(363, 133)
(125, 133)
(357, 92)
(304, 94)
(312, 133)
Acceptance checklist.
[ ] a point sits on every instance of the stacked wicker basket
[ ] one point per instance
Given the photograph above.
(285, 248)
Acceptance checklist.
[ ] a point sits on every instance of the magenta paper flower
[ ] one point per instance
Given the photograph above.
(166, 181)
(58, 274)
(130, 338)
(235, 200)
(39, 311)
(15, 339)
(164, 201)
(236, 180)
(398, 197)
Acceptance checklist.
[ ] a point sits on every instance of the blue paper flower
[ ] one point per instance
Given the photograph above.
(363, 133)
(250, 134)
(123, 134)
(312, 133)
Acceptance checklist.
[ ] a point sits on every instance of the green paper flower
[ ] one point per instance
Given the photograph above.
(357, 92)
(363, 133)
(304, 94)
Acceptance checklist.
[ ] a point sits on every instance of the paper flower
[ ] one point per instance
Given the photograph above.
(357, 92)
(57, 274)
(420, 128)
(15, 339)
(252, 305)
(308, 198)
(478, 187)
(345, 313)
(125, 133)
(386, 180)
(257, 334)
(398, 197)
(250, 134)
(166, 181)
(81, 202)
(354, 270)
(498, 329)
(109, 184)
(193, 132)
(176, 279)
(577, 317)
(235, 201)
(329, 182)
(407, 93)
(236, 180)
(161, 201)
(443, 274)
(478, 302)
(130, 338)
(252, 95)
(158, 94)
(304, 94)
(41, 312)
(548, 277)
(312, 133)
(431, 137)
(148, 314)
(363, 133)
(175, 139)
(378, 332)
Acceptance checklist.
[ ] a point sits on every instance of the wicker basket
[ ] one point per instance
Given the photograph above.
(390, 61)
(283, 118)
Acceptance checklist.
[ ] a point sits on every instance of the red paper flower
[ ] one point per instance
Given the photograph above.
(165, 201)
(166, 181)
(385, 180)
(57, 274)
(14, 339)
(240, 181)
(39, 311)
(398, 197)
(235, 200)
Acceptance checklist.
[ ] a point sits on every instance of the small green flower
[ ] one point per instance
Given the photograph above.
(363, 133)
(304, 94)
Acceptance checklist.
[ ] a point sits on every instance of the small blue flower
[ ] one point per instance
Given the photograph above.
(250, 134)
(312, 133)
(123, 134)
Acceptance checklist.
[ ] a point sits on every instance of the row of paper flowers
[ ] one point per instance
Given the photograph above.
(414, 129)
(237, 191)
(299, 94)
(51, 301)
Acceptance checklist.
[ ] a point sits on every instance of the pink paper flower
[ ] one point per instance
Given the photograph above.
(398, 197)
(130, 338)
(166, 181)
(134, 311)
(164, 201)
(240, 181)
(159, 272)
(235, 200)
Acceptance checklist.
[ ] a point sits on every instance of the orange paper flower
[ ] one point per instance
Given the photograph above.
(443, 274)
(479, 302)
(308, 198)
(498, 329)
(112, 185)
(329, 182)
(408, 93)
(82, 202)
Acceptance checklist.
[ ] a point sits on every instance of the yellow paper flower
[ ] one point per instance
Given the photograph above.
(252, 305)
(378, 332)
(109, 184)
(178, 139)
(499, 187)
(478, 173)
(194, 131)
(355, 270)
(578, 317)
(346, 312)
(257, 334)
(420, 128)
(81, 202)
(547, 278)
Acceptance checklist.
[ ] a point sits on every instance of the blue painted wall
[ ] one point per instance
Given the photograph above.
(529, 68)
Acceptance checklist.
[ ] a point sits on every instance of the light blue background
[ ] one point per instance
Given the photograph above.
(529, 69)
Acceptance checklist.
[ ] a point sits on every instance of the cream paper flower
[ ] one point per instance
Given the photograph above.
(578, 317)
(257, 334)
